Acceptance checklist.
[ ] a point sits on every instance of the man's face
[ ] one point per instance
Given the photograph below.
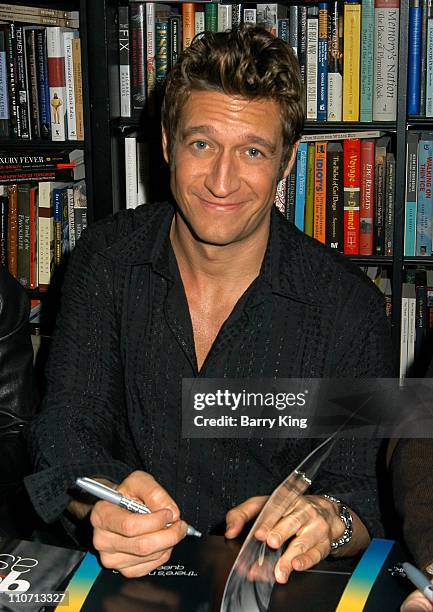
(225, 165)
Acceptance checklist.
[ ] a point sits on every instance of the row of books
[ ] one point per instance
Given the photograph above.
(39, 224)
(41, 93)
(347, 52)
(416, 323)
(419, 195)
(420, 59)
(342, 192)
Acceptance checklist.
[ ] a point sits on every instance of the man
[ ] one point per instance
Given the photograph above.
(218, 286)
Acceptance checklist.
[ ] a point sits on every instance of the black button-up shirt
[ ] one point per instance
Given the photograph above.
(124, 342)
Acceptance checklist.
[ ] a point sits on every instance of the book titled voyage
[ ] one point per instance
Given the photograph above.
(352, 186)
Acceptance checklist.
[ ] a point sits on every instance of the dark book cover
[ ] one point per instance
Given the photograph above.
(4, 212)
(138, 55)
(32, 80)
(380, 194)
(302, 45)
(23, 235)
(124, 62)
(175, 38)
(13, 125)
(43, 86)
(22, 94)
(389, 205)
(4, 90)
(335, 197)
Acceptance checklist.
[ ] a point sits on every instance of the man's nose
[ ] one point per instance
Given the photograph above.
(223, 177)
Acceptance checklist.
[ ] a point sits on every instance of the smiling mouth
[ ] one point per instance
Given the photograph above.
(220, 206)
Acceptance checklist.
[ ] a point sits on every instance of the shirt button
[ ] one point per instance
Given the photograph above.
(189, 480)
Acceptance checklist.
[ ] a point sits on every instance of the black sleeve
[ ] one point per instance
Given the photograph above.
(362, 349)
(81, 429)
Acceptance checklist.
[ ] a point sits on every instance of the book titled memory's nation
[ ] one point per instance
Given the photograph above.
(386, 60)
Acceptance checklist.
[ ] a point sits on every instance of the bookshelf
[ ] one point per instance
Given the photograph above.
(106, 131)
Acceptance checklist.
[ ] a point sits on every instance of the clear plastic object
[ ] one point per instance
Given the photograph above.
(251, 580)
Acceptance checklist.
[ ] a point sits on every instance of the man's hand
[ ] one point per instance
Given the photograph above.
(313, 522)
(135, 544)
(416, 602)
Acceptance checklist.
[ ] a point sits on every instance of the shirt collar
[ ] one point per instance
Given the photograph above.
(284, 268)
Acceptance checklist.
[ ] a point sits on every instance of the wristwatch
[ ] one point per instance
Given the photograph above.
(346, 517)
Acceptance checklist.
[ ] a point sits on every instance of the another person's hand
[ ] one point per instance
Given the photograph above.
(135, 544)
(416, 602)
(313, 523)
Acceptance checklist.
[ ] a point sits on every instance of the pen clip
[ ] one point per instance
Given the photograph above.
(98, 484)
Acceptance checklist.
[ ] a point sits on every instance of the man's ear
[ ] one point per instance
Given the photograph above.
(165, 145)
(291, 160)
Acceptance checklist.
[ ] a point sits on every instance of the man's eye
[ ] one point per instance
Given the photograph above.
(252, 152)
(200, 145)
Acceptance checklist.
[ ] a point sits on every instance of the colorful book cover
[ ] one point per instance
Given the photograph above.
(429, 64)
(301, 177)
(352, 186)
(13, 230)
(366, 214)
(411, 194)
(312, 62)
(414, 58)
(335, 196)
(352, 48)
(161, 58)
(188, 23)
(309, 199)
(150, 56)
(335, 62)
(367, 50)
(211, 16)
(423, 56)
(322, 109)
(319, 229)
(424, 197)
(386, 39)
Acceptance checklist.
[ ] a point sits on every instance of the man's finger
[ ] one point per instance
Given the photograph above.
(142, 545)
(287, 527)
(312, 557)
(142, 486)
(237, 517)
(416, 602)
(108, 517)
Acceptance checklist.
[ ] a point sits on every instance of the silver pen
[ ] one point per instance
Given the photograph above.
(106, 493)
(418, 579)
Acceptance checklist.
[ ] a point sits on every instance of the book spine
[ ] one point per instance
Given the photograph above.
(268, 15)
(301, 176)
(56, 80)
(38, 20)
(22, 90)
(352, 40)
(429, 69)
(78, 87)
(335, 68)
(71, 119)
(236, 17)
(283, 30)
(319, 229)
(43, 87)
(379, 204)
(351, 156)
(366, 214)
(138, 59)
(411, 194)
(175, 39)
(4, 90)
(293, 28)
(249, 15)
(335, 197)
(389, 205)
(420, 322)
(124, 59)
(31, 68)
(411, 331)
(71, 217)
(425, 199)
(161, 58)
(302, 46)
(211, 17)
(36, 175)
(80, 209)
(151, 55)
(4, 212)
(403, 336)
(322, 110)
(225, 17)
(188, 23)
(57, 224)
(13, 231)
(414, 53)
(309, 199)
(280, 196)
(385, 60)
(312, 62)
(23, 253)
(423, 57)
(11, 66)
(17, 10)
(367, 60)
(33, 270)
(131, 171)
(45, 235)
